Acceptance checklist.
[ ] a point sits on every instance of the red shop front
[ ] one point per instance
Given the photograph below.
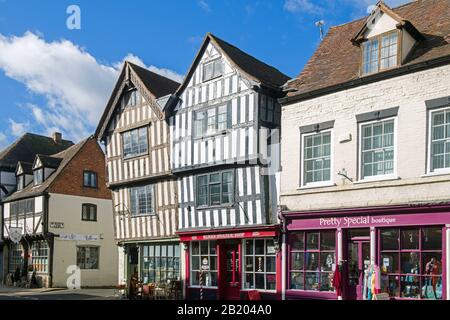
(228, 264)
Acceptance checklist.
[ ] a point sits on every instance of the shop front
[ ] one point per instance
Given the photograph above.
(364, 254)
(228, 265)
(156, 263)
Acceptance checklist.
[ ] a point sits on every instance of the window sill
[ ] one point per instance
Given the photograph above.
(378, 179)
(133, 157)
(143, 215)
(318, 185)
(436, 173)
(224, 206)
(204, 287)
(212, 135)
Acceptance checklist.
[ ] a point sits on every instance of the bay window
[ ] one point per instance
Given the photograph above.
(203, 253)
(439, 140)
(39, 256)
(312, 260)
(135, 142)
(411, 262)
(260, 264)
(215, 189)
(377, 145)
(316, 157)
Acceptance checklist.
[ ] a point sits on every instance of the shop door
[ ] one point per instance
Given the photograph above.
(358, 262)
(231, 283)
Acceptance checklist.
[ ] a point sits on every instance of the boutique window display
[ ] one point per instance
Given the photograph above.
(260, 268)
(411, 262)
(312, 260)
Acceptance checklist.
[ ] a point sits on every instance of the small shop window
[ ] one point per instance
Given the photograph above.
(411, 262)
(260, 264)
(161, 262)
(312, 260)
(39, 256)
(16, 260)
(87, 257)
(204, 253)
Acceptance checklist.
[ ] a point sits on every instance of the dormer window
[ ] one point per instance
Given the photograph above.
(38, 176)
(212, 69)
(20, 182)
(380, 53)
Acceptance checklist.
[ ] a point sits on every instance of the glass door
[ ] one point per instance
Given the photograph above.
(358, 262)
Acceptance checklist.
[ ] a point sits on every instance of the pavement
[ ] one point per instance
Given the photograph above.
(14, 293)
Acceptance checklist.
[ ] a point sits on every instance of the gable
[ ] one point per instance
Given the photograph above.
(37, 163)
(379, 23)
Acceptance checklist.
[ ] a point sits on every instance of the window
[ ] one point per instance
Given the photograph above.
(135, 142)
(87, 258)
(90, 179)
(204, 253)
(380, 53)
(317, 157)
(440, 140)
(268, 108)
(161, 262)
(39, 256)
(212, 69)
(215, 189)
(141, 200)
(20, 182)
(312, 259)
(132, 98)
(89, 212)
(260, 264)
(16, 255)
(211, 121)
(411, 262)
(38, 176)
(378, 149)
(22, 207)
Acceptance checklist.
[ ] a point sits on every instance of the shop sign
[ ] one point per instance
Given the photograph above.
(57, 225)
(371, 221)
(222, 236)
(15, 234)
(78, 237)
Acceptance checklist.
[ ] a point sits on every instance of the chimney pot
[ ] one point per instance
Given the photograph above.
(57, 137)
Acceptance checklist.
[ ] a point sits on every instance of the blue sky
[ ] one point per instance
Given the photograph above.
(53, 78)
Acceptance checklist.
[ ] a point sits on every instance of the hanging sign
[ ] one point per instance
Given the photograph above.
(15, 234)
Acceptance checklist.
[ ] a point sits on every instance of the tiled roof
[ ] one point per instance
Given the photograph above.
(27, 147)
(337, 60)
(64, 157)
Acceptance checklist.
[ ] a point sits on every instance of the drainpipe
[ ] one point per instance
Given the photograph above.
(447, 258)
(283, 254)
(50, 239)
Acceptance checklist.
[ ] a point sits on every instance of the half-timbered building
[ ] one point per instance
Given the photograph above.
(135, 133)
(57, 223)
(223, 128)
(22, 150)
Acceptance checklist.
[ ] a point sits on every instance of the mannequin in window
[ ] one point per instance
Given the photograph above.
(432, 269)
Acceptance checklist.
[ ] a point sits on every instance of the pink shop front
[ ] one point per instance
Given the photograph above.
(408, 245)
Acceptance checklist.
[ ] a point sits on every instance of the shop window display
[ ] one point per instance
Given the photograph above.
(312, 260)
(260, 264)
(411, 262)
(160, 262)
(204, 253)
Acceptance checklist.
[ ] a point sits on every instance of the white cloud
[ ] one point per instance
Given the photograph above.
(75, 85)
(204, 5)
(302, 6)
(18, 128)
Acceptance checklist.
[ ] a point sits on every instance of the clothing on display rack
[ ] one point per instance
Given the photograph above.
(371, 282)
(337, 279)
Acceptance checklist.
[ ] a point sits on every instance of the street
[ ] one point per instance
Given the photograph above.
(12, 293)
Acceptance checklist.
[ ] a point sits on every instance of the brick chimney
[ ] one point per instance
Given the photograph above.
(57, 137)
